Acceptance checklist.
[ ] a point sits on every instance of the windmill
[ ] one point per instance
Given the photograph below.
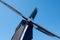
(24, 29)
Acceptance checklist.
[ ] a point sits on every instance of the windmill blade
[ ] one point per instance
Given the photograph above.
(32, 16)
(39, 28)
(13, 9)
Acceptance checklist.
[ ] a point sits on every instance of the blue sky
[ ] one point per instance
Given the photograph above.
(48, 16)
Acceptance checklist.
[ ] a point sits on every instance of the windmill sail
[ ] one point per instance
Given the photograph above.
(32, 16)
(38, 27)
(45, 31)
(13, 9)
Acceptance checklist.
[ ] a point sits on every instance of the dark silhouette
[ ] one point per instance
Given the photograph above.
(20, 29)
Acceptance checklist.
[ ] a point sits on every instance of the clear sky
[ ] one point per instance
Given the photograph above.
(48, 16)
